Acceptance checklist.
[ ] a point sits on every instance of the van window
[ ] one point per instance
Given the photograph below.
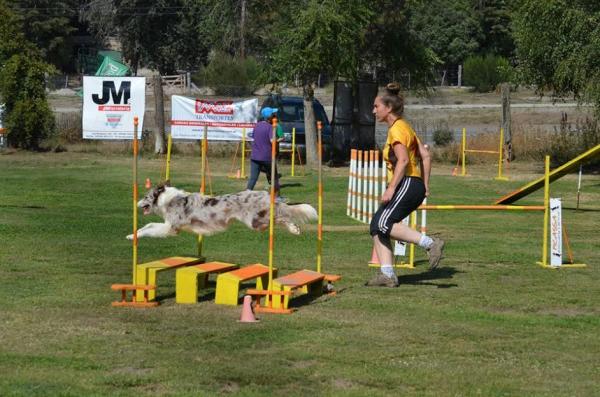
(292, 113)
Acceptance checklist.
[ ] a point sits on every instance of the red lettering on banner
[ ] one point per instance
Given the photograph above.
(212, 124)
(214, 107)
(103, 108)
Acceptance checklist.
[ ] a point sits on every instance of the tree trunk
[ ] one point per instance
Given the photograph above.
(506, 121)
(310, 128)
(243, 30)
(159, 117)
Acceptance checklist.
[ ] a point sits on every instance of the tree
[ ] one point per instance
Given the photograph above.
(160, 34)
(495, 20)
(49, 25)
(27, 116)
(393, 46)
(558, 47)
(316, 37)
(449, 27)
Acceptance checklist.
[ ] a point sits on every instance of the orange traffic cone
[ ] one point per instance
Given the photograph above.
(247, 312)
(374, 259)
(455, 171)
(148, 183)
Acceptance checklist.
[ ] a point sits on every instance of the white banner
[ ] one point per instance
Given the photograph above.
(110, 104)
(225, 119)
(555, 232)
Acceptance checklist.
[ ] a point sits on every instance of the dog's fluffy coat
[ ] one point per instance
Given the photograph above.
(205, 215)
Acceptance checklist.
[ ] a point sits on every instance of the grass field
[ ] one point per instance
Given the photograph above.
(489, 322)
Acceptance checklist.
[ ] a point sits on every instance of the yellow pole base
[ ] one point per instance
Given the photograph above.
(501, 178)
(567, 265)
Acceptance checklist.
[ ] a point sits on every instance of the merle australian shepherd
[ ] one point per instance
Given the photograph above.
(205, 215)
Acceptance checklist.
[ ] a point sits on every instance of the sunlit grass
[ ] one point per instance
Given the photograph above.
(488, 322)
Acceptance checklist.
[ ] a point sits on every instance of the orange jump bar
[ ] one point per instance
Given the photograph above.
(484, 207)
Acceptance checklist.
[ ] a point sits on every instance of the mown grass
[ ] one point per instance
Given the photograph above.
(488, 322)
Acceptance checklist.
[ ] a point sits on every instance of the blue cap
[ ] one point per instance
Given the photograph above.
(267, 112)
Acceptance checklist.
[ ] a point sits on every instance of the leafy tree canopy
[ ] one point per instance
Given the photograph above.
(558, 47)
(449, 27)
(50, 25)
(495, 21)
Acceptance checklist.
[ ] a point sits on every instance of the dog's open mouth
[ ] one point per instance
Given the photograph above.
(146, 209)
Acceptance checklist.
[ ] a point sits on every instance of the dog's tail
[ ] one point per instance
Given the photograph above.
(301, 212)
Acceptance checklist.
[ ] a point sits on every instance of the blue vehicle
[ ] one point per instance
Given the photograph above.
(291, 115)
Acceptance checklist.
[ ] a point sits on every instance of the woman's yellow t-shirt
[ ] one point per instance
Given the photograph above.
(401, 132)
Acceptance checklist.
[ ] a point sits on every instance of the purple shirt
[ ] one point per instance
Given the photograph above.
(261, 146)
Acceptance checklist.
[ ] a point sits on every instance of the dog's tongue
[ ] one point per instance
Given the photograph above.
(146, 211)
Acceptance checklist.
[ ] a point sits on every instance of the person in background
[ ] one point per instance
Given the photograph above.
(408, 167)
(260, 158)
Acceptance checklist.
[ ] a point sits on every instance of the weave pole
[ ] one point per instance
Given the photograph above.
(135, 198)
(169, 148)
(272, 208)
(320, 196)
(203, 152)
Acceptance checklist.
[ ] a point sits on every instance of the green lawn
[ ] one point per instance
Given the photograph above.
(489, 322)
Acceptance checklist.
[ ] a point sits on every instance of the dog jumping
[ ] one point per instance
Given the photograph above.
(204, 215)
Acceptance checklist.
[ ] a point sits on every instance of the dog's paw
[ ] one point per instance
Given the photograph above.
(130, 237)
(293, 228)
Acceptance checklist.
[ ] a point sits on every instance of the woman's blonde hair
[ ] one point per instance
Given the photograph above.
(392, 99)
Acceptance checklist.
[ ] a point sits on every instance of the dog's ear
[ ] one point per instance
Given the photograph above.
(161, 186)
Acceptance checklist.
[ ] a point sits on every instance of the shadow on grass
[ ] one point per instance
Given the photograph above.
(582, 209)
(34, 207)
(425, 278)
(294, 184)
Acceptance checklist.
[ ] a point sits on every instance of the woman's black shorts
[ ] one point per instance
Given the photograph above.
(408, 196)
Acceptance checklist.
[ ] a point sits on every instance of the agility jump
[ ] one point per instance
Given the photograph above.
(499, 152)
(362, 195)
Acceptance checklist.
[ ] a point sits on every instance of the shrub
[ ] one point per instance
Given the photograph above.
(571, 141)
(27, 115)
(443, 137)
(229, 75)
(484, 73)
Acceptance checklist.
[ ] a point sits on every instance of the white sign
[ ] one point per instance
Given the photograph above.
(225, 119)
(555, 232)
(110, 104)
(400, 246)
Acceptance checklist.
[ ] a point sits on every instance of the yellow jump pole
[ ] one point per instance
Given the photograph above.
(484, 207)
(320, 196)
(169, 148)
(269, 298)
(546, 211)
(203, 178)
(500, 157)
(411, 248)
(293, 149)
(135, 197)
(462, 150)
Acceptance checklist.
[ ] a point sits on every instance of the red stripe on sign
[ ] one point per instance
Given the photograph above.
(212, 124)
(113, 108)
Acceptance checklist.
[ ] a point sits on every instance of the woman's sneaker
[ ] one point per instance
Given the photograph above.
(435, 252)
(381, 280)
